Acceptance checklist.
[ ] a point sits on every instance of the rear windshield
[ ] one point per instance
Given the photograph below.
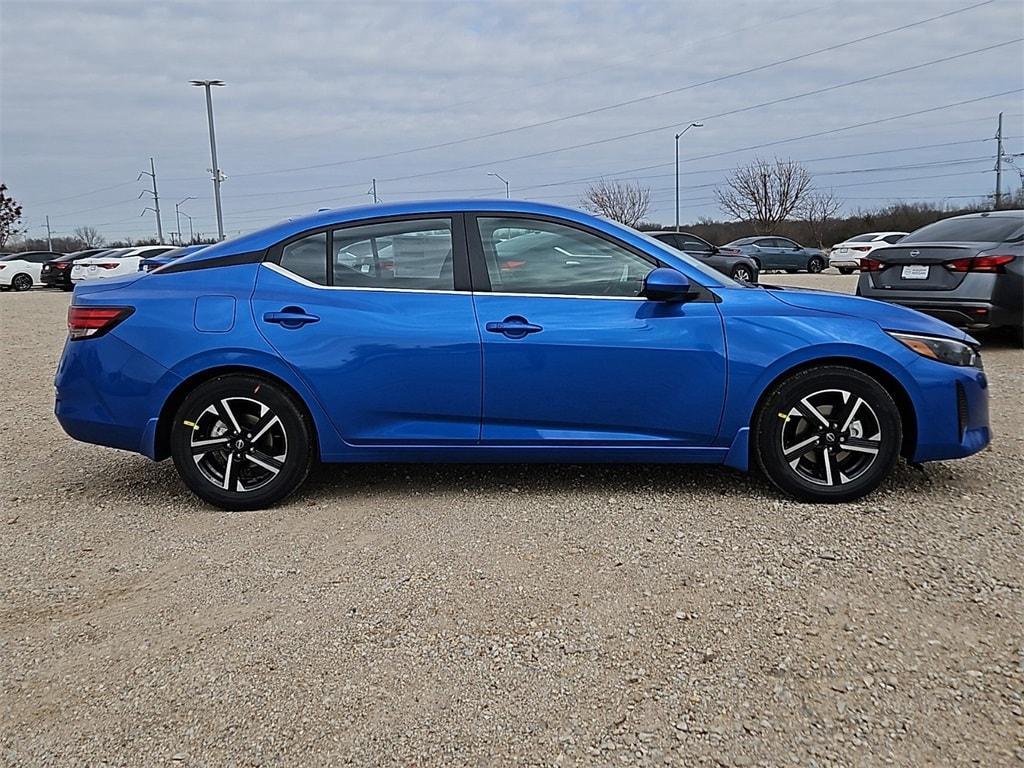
(743, 241)
(862, 238)
(975, 229)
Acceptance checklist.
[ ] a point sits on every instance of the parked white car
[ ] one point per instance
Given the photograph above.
(846, 256)
(114, 263)
(21, 271)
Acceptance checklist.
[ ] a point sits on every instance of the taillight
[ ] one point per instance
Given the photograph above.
(870, 265)
(980, 264)
(60, 265)
(86, 322)
(860, 247)
(3, 266)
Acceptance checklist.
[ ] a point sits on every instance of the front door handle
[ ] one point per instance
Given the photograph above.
(290, 317)
(514, 327)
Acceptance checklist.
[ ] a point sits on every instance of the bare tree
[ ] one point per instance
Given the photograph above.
(89, 236)
(766, 192)
(618, 200)
(10, 216)
(818, 209)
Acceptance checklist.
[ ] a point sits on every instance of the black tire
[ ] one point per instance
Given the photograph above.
(274, 464)
(21, 282)
(815, 264)
(846, 270)
(68, 288)
(805, 458)
(743, 273)
(791, 271)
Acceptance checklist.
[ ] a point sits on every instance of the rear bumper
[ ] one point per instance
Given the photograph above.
(844, 261)
(56, 279)
(108, 393)
(981, 301)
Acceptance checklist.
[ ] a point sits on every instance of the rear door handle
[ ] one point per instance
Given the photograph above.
(290, 317)
(514, 327)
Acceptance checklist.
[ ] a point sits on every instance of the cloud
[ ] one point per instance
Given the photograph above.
(91, 90)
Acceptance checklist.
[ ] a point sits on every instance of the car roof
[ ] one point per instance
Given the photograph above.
(262, 239)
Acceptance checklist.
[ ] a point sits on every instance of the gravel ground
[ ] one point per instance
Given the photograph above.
(503, 615)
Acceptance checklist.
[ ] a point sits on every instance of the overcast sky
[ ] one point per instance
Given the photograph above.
(91, 90)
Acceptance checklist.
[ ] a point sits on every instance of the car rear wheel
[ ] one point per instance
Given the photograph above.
(241, 442)
(743, 273)
(21, 282)
(815, 265)
(828, 434)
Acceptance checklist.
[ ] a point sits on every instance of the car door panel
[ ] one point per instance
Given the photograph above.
(602, 370)
(592, 369)
(389, 366)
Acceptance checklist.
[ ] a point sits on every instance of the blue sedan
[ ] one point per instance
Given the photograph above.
(498, 331)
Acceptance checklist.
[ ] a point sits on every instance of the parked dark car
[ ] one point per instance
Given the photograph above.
(771, 252)
(56, 273)
(966, 270)
(729, 261)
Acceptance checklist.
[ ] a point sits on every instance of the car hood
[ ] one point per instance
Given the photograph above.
(891, 317)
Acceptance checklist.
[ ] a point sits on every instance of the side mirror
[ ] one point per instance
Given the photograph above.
(664, 284)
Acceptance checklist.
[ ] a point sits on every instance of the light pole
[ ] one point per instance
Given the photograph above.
(215, 170)
(191, 233)
(499, 178)
(691, 125)
(177, 215)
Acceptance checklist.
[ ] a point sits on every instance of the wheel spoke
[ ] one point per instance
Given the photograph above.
(266, 422)
(860, 444)
(230, 473)
(268, 463)
(227, 415)
(804, 446)
(850, 413)
(810, 412)
(199, 447)
(827, 460)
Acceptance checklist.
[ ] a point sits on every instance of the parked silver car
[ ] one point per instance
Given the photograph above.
(966, 270)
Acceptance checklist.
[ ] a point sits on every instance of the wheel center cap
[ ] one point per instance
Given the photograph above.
(829, 437)
(239, 444)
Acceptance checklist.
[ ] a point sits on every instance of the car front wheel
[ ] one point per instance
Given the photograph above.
(828, 434)
(21, 282)
(241, 442)
(743, 273)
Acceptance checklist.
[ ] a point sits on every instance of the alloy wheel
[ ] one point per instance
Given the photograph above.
(21, 282)
(742, 274)
(239, 444)
(831, 437)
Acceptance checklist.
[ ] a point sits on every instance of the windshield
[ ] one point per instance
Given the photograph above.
(716, 277)
(970, 229)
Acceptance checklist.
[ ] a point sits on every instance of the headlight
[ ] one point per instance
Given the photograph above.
(942, 349)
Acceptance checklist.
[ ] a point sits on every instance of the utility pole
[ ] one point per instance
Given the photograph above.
(999, 163)
(177, 215)
(156, 198)
(373, 191)
(49, 236)
(218, 177)
(191, 232)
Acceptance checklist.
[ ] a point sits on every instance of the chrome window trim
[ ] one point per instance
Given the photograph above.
(310, 284)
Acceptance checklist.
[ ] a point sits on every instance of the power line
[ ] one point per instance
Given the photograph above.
(637, 100)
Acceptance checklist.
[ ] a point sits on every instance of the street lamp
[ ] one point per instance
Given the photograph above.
(499, 178)
(191, 232)
(177, 215)
(691, 125)
(218, 177)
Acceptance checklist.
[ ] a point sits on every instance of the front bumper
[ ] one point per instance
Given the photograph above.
(952, 412)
